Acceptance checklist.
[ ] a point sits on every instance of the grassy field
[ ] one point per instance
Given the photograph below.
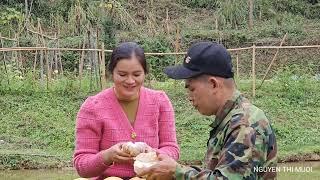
(37, 127)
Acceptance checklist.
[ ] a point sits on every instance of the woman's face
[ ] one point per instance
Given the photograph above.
(128, 77)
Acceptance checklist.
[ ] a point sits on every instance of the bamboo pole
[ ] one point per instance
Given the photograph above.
(48, 77)
(216, 22)
(254, 71)
(82, 60)
(14, 54)
(90, 58)
(48, 69)
(4, 62)
(176, 44)
(167, 21)
(237, 59)
(51, 62)
(177, 47)
(5, 38)
(103, 68)
(55, 54)
(35, 61)
(97, 59)
(59, 53)
(35, 57)
(39, 33)
(273, 59)
(41, 57)
(19, 56)
(150, 53)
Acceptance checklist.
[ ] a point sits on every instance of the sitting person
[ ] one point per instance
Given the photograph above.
(126, 112)
(242, 143)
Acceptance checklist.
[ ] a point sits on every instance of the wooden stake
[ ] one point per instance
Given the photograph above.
(167, 21)
(41, 58)
(59, 53)
(177, 44)
(216, 22)
(103, 68)
(35, 61)
(97, 59)
(19, 57)
(4, 62)
(45, 56)
(90, 58)
(55, 56)
(237, 64)
(254, 71)
(82, 60)
(48, 69)
(272, 61)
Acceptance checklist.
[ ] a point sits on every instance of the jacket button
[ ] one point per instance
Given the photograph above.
(133, 135)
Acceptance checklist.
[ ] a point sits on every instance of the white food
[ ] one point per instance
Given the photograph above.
(144, 160)
(135, 148)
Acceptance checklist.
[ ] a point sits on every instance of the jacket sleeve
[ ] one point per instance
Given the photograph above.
(167, 131)
(87, 159)
(235, 160)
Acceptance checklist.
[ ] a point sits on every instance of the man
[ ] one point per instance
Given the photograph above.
(242, 144)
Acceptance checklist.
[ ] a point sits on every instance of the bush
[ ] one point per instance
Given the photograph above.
(199, 3)
(157, 63)
(297, 85)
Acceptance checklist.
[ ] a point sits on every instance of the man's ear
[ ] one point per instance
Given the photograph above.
(213, 82)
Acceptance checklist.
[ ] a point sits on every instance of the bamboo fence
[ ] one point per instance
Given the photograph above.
(98, 54)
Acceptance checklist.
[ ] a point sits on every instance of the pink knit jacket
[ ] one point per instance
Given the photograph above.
(101, 123)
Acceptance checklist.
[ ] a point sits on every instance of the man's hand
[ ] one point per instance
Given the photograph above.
(163, 170)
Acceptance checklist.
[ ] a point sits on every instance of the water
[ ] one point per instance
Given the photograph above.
(45, 174)
(286, 171)
(308, 170)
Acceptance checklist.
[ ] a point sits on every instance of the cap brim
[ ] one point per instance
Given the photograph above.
(180, 72)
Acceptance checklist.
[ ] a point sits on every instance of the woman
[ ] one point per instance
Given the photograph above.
(125, 112)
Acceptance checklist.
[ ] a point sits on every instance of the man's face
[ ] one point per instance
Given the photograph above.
(200, 93)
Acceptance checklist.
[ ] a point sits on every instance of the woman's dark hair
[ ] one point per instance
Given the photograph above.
(127, 50)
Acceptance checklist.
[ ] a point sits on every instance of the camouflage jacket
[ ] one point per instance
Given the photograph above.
(242, 145)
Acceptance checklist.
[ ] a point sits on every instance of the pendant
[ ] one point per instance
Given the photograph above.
(133, 135)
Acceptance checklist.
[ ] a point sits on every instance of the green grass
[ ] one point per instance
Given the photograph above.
(37, 127)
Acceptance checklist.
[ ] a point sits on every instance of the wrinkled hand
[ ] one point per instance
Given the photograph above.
(115, 155)
(163, 170)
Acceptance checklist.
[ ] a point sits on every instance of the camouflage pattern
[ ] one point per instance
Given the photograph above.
(242, 145)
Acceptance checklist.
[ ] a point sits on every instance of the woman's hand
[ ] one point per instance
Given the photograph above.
(115, 155)
(136, 148)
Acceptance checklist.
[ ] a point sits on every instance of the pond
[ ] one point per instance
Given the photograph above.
(287, 171)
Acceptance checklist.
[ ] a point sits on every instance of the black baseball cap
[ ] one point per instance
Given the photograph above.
(203, 58)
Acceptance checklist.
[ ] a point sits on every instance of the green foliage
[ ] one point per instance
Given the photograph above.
(109, 30)
(297, 85)
(10, 19)
(232, 12)
(199, 3)
(10, 15)
(157, 63)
